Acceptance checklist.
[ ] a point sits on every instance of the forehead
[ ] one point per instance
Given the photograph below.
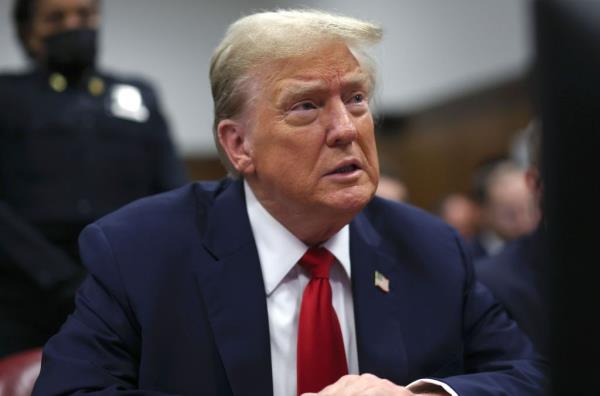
(330, 65)
(45, 6)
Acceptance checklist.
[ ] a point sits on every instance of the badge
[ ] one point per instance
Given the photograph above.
(126, 102)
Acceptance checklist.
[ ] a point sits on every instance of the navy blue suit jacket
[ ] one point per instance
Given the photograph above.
(517, 277)
(175, 304)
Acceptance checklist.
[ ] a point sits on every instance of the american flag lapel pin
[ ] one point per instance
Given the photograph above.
(382, 282)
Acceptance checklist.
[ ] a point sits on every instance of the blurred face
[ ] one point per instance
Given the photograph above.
(461, 213)
(392, 189)
(310, 143)
(512, 210)
(55, 16)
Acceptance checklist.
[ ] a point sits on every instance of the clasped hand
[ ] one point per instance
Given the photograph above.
(367, 385)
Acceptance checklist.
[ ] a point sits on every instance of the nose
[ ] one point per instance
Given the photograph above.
(72, 21)
(340, 129)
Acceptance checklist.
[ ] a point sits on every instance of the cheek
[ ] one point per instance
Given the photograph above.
(282, 157)
(368, 144)
(295, 148)
(42, 31)
(94, 22)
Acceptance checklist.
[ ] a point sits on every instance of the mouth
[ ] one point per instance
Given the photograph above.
(345, 168)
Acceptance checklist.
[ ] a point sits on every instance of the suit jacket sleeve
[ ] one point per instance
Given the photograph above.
(499, 359)
(98, 347)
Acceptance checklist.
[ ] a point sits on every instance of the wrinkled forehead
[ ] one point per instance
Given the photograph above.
(326, 66)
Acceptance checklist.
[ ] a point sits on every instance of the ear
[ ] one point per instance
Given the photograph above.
(234, 141)
(533, 180)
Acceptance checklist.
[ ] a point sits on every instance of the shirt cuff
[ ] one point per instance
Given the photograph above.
(425, 384)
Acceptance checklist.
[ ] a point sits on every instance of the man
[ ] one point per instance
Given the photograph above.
(461, 212)
(508, 208)
(75, 144)
(391, 187)
(517, 275)
(291, 279)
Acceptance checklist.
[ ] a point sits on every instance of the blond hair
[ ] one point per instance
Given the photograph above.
(264, 37)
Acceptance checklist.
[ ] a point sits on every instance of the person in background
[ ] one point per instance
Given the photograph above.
(290, 277)
(75, 143)
(461, 212)
(516, 275)
(392, 188)
(508, 207)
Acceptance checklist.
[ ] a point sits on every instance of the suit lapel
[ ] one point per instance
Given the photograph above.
(377, 314)
(234, 294)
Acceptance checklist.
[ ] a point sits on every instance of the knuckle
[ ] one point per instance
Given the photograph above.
(368, 376)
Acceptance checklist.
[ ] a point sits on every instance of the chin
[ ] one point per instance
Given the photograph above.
(351, 200)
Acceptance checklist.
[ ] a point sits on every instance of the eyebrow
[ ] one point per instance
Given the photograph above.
(298, 87)
(357, 79)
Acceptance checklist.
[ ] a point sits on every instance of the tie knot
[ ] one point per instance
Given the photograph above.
(317, 261)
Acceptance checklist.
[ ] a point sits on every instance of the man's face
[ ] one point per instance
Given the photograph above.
(55, 16)
(311, 140)
(511, 211)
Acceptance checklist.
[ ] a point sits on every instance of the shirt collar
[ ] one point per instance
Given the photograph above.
(279, 250)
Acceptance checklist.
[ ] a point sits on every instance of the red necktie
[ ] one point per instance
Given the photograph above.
(321, 358)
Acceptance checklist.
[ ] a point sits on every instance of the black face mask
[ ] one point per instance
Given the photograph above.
(71, 52)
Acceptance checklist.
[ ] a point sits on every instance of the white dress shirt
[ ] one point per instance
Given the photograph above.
(279, 252)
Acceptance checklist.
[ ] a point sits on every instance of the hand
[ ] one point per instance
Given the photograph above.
(362, 385)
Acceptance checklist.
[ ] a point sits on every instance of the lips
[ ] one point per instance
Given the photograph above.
(345, 167)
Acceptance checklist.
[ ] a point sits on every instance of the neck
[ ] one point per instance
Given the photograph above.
(312, 232)
(313, 226)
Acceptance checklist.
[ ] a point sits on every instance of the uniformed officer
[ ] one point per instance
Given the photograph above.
(75, 143)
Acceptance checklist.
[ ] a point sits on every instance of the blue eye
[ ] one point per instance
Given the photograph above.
(358, 98)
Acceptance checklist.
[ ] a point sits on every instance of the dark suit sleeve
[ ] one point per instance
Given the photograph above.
(499, 359)
(97, 350)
